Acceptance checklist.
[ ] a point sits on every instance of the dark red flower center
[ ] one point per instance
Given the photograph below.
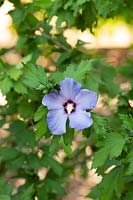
(69, 106)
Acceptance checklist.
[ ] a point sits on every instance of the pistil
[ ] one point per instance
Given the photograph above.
(69, 106)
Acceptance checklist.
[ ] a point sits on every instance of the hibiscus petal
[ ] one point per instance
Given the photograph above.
(56, 120)
(69, 88)
(53, 101)
(86, 99)
(80, 119)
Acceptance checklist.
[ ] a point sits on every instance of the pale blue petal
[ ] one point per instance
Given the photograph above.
(56, 120)
(69, 88)
(80, 120)
(53, 101)
(86, 99)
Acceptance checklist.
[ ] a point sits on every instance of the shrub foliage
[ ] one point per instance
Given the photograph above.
(29, 145)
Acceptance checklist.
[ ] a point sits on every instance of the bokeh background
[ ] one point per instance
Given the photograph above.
(112, 39)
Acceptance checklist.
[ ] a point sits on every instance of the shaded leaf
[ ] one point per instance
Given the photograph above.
(35, 76)
(27, 194)
(4, 197)
(54, 146)
(40, 113)
(6, 85)
(130, 160)
(5, 188)
(78, 72)
(112, 147)
(41, 128)
(20, 88)
(105, 190)
(14, 73)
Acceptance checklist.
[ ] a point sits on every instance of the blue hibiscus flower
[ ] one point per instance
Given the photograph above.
(71, 102)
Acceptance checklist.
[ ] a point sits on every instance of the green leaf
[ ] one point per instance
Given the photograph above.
(67, 147)
(130, 161)
(41, 4)
(52, 185)
(27, 138)
(21, 42)
(17, 162)
(129, 195)
(57, 77)
(131, 84)
(8, 153)
(32, 21)
(127, 121)
(116, 143)
(81, 13)
(20, 88)
(14, 73)
(63, 57)
(66, 16)
(5, 187)
(17, 15)
(92, 81)
(40, 113)
(100, 157)
(54, 146)
(2, 122)
(112, 147)
(4, 197)
(1, 66)
(41, 128)
(6, 85)
(35, 76)
(56, 167)
(105, 190)
(33, 161)
(107, 76)
(100, 127)
(78, 72)
(25, 108)
(24, 60)
(67, 138)
(1, 2)
(107, 8)
(27, 194)
(50, 162)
